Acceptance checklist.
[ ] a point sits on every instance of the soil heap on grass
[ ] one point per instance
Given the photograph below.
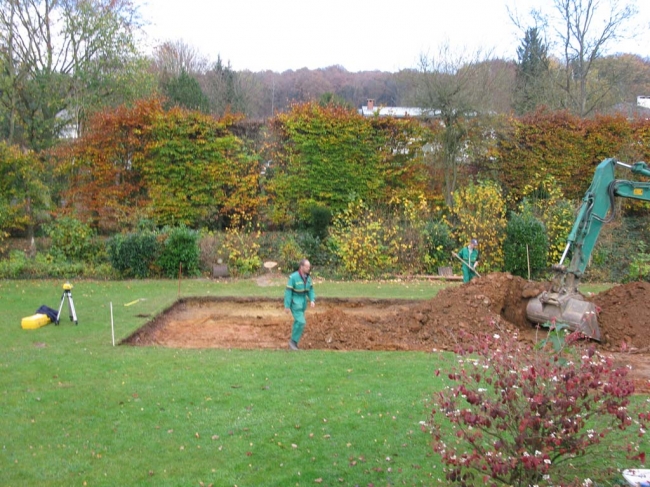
(495, 302)
(625, 316)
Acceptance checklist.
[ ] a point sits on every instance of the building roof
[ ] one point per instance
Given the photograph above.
(397, 112)
(370, 110)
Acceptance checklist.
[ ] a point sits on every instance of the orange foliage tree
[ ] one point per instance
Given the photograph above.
(103, 167)
(173, 166)
(563, 146)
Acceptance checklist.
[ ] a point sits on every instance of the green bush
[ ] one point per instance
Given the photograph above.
(242, 246)
(71, 239)
(617, 256)
(4, 218)
(14, 265)
(134, 254)
(270, 245)
(314, 249)
(639, 269)
(525, 241)
(290, 254)
(440, 244)
(180, 247)
(364, 242)
(210, 250)
(320, 219)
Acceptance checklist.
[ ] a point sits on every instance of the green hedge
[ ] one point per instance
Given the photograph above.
(134, 254)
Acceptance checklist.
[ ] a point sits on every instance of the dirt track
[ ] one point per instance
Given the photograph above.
(365, 324)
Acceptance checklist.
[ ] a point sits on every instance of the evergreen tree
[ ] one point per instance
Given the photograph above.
(532, 73)
(184, 91)
(228, 90)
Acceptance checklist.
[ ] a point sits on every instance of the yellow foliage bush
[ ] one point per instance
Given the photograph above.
(408, 219)
(242, 246)
(363, 241)
(549, 205)
(370, 243)
(479, 211)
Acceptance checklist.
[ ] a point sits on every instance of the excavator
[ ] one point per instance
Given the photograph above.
(563, 302)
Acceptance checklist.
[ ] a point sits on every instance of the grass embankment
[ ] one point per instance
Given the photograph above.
(78, 411)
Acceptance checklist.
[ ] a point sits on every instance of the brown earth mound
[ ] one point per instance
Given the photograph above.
(625, 316)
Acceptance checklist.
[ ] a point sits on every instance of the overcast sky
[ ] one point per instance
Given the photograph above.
(359, 35)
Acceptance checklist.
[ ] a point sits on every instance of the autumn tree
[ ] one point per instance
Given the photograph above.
(229, 91)
(103, 168)
(628, 76)
(173, 166)
(197, 172)
(23, 191)
(184, 91)
(561, 145)
(62, 60)
(172, 58)
(583, 31)
(179, 67)
(454, 89)
(324, 156)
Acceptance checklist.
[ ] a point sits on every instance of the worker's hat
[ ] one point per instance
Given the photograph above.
(474, 241)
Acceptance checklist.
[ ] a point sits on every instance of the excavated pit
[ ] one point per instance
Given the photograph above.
(497, 299)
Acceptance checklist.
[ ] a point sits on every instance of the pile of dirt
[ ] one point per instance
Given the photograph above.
(625, 317)
(495, 302)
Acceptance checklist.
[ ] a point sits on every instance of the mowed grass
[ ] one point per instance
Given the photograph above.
(78, 411)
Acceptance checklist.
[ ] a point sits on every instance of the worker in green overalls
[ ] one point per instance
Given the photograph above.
(469, 255)
(300, 289)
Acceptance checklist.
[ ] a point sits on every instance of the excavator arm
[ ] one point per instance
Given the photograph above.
(563, 302)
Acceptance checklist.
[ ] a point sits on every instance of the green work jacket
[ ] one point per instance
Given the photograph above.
(470, 257)
(298, 292)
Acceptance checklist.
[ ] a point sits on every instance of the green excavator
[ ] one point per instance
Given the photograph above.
(562, 302)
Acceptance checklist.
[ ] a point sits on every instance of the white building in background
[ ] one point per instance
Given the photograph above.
(370, 110)
(67, 124)
(643, 101)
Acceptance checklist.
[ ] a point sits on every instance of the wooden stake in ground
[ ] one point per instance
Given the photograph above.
(180, 271)
(112, 325)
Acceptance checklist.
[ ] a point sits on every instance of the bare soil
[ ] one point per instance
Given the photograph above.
(495, 300)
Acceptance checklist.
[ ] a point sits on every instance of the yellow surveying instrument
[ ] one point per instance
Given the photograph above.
(67, 294)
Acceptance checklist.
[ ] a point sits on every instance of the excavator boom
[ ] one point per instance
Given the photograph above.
(563, 302)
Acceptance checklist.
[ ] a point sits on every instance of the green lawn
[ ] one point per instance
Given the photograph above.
(78, 411)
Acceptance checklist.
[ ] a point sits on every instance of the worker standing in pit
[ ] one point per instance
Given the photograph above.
(469, 255)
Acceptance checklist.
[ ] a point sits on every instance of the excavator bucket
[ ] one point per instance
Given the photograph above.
(571, 309)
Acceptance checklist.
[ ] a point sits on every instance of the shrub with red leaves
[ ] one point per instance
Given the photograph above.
(518, 415)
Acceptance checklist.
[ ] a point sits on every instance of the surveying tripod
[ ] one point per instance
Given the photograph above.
(67, 294)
